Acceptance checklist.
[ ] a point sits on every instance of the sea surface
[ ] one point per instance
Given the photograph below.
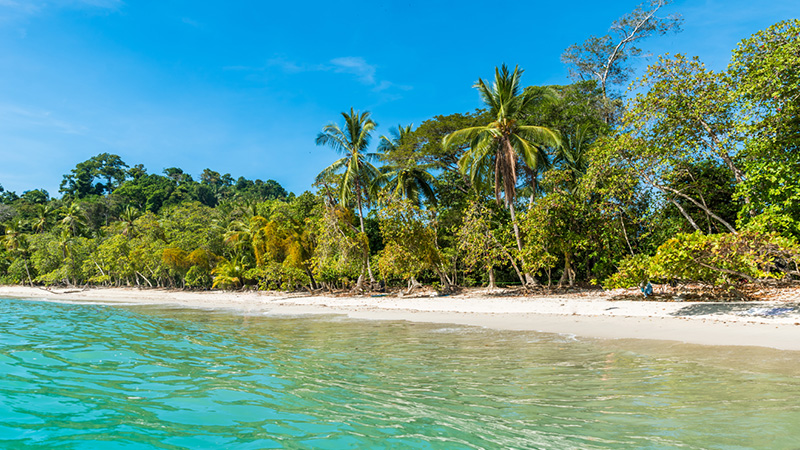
(94, 376)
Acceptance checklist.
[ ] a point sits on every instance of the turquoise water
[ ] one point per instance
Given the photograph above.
(78, 376)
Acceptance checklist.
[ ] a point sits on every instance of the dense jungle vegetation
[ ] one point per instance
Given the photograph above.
(693, 175)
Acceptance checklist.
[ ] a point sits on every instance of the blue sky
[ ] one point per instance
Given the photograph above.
(244, 86)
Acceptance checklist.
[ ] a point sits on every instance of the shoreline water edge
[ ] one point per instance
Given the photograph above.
(772, 324)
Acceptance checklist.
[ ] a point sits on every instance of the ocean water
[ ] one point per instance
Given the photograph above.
(91, 376)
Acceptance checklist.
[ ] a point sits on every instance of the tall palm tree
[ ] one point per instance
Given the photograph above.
(403, 177)
(506, 140)
(359, 174)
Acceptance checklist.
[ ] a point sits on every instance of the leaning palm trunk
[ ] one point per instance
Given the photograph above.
(30, 281)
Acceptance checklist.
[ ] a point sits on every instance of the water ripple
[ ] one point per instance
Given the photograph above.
(77, 376)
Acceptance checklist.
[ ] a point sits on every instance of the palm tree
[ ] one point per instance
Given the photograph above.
(44, 214)
(14, 240)
(128, 219)
(402, 177)
(573, 154)
(506, 140)
(73, 218)
(241, 235)
(359, 174)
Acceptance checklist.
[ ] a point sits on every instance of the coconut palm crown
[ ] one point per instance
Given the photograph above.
(403, 177)
(352, 142)
(501, 142)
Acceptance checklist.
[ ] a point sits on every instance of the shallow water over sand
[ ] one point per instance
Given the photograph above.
(83, 376)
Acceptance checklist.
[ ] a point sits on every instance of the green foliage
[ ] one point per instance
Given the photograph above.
(633, 271)
(275, 276)
(36, 196)
(148, 192)
(480, 243)
(87, 178)
(341, 250)
(713, 185)
(424, 144)
(404, 178)
(766, 73)
(685, 120)
(409, 236)
(715, 259)
(229, 274)
(198, 278)
(352, 141)
(61, 259)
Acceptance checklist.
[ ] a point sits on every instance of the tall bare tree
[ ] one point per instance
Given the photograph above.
(605, 58)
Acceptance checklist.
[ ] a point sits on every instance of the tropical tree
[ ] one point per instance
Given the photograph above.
(501, 144)
(605, 58)
(358, 172)
(765, 71)
(128, 220)
(44, 215)
(686, 117)
(403, 177)
(15, 242)
(73, 220)
(411, 245)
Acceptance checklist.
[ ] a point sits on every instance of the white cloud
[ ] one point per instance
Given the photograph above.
(357, 66)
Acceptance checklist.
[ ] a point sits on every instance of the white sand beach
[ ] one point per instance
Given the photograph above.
(773, 324)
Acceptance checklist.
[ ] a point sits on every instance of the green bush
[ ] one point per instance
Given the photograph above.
(713, 259)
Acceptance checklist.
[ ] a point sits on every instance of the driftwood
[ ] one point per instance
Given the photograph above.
(85, 288)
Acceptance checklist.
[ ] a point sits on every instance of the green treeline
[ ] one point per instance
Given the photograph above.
(694, 176)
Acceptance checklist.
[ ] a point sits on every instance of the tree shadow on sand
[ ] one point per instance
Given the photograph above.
(756, 309)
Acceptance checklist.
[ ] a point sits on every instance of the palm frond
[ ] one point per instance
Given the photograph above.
(463, 135)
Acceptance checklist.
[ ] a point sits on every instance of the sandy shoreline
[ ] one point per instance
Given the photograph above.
(774, 324)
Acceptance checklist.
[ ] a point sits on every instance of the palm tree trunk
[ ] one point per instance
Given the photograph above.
(361, 222)
(28, 272)
(529, 280)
